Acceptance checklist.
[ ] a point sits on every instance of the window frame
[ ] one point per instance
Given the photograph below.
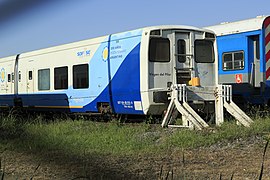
(47, 89)
(233, 60)
(30, 75)
(213, 51)
(184, 51)
(56, 80)
(150, 45)
(9, 77)
(73, 77)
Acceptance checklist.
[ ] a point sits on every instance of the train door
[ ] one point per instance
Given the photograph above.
(182, 57)
(254, 53)
(170, 59)
(30, 81)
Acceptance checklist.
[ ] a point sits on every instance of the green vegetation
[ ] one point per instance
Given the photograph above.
(82, 137)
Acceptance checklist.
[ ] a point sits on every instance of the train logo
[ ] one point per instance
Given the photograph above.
(105, 54)
(3, 75)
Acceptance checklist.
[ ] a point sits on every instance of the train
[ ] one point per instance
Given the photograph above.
(123, 73)
(244, 53)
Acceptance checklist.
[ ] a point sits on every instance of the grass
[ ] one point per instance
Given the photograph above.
(94, 141)
(229, 131)
(82, 137)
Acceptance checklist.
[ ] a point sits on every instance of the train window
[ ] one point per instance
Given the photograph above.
(20, 76)
(30, 75)
(12, 77)
(181, 50)
(159, 50)
(9, 78)
(227, 61)
(80, 76)
(155, 32)
(61, 78)
(43, 79)
(204, 51)
(233, 60)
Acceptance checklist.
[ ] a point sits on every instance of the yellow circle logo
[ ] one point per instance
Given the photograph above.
(105, 53)
(3, 74)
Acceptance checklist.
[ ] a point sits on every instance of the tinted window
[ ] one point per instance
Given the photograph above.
(61, 78)
(204, 51)
(44, 79)
(20, 76)
(80, 76)
(159, 50)
(181, 50)
(30, 75)
(9, 78)
(233, 60)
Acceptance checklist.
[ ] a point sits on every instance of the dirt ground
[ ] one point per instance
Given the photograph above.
(241, 159)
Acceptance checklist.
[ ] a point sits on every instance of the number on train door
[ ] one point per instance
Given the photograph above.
(30, 81)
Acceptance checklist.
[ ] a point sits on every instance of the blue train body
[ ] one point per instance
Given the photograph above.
(243, 50)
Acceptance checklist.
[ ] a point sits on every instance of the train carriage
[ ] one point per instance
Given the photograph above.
(243, 50)
(124, 73)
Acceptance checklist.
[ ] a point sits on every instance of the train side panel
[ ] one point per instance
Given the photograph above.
(7, 81)
(125, 72)
(72, 78)
(243, 49)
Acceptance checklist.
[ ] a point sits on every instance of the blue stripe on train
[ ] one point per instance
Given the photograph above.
(126, 84)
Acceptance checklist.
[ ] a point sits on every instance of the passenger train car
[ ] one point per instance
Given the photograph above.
(244, 53)
(123, 73)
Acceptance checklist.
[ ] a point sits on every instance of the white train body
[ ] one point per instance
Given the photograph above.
(128, 73)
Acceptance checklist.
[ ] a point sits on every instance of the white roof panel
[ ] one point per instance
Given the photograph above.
(238, 26)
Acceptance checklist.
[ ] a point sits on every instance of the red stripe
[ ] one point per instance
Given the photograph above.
(267, 56)
(267, 39)
(267, 73)
(266, 22)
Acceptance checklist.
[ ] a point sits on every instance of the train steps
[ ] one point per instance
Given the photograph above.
(222, 95)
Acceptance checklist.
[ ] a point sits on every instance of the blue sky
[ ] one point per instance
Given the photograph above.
(37, 24)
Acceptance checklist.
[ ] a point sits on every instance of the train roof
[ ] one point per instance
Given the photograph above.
(226, 28)
(104, 39)
(164, 27)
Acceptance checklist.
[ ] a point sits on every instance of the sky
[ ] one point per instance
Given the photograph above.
(27, 25)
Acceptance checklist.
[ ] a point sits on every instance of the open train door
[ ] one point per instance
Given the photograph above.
(254, 48)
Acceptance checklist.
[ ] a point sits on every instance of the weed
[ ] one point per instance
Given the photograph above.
(2, 170)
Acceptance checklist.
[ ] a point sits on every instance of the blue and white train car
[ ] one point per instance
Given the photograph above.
(124, 73)
(244, 53)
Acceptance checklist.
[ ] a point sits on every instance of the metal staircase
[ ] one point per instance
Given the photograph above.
(222, 95)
